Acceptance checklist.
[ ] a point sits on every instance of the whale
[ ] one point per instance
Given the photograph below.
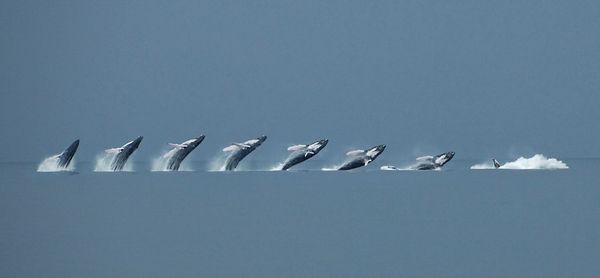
(65, 158)
(180, 151)
(362, 158)
(240, 150)
(433, 162)
(301, 153)
(123, 153)
(496, 163)
(62, 160)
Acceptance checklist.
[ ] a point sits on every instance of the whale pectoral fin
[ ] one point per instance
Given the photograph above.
(425, 158)
(355, 152)
(114, 150)
(232, 148)
(177, 146)
(296, 148)
(307, 153)
(367, 161)
(242, 145)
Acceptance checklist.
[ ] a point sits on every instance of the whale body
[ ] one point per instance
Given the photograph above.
(180, 151)
(362, 157)
(240, 150)
(301, 153)
(123, 153)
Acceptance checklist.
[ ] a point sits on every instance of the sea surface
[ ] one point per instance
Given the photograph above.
(455, 222)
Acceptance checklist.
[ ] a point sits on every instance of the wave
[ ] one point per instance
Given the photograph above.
(536, 162)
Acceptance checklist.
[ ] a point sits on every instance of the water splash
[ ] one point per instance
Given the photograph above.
(159, 164)
(536, 162)
(217, 164)
(50, 164)
(276, 167)
(335, 167)
(104, 163)
(394, 168)
(483, 166)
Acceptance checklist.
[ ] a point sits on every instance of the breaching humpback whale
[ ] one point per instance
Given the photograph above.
(64, 159)
(496, 163)
(301, 153)
(362, 157)
(433, 162)
(180, 152)
(123, 153)
(241, 150)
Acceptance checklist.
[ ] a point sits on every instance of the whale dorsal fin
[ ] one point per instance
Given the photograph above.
(114, 150)
(296, 147)
(355, 152)
(425, 158)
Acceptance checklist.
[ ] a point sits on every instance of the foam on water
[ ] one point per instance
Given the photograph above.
(50, 164)
(536, 162)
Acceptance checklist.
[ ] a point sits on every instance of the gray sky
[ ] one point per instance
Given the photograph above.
(483, 79)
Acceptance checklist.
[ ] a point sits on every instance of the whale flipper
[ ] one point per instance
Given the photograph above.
(425, 158)
(232, 148)
(355, 152)
(296, 148)
(114, 150)
(177, 146)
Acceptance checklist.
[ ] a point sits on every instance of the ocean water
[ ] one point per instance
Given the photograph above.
(455, 222)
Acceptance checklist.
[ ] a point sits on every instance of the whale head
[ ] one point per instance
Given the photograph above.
(442, 159)
(197, 142)
(134, 144)
(318, 145)
(260, 140)
(375, 151)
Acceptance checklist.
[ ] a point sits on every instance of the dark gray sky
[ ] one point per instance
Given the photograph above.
(480, 78)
